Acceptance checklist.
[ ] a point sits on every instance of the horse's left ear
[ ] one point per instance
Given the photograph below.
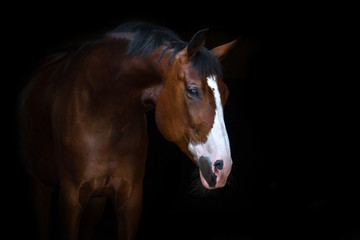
(221, 51)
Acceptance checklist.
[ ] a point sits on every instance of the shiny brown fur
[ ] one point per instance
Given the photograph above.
(83, 125)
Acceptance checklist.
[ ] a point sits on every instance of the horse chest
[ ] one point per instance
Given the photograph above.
(113, 152)
(104, 186)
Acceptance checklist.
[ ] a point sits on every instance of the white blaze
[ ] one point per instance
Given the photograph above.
(217, 145)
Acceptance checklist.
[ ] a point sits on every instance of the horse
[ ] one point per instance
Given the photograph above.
(83, 121)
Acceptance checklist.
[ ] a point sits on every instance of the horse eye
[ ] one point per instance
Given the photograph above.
(193, 92)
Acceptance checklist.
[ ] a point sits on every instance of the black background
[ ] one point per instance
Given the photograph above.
(293, 176)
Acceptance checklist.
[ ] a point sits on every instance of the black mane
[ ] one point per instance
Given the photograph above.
(149, 37)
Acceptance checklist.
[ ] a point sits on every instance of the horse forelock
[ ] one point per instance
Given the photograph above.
(204, 62)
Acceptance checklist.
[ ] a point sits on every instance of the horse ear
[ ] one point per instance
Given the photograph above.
(221, 51)
(196, 43)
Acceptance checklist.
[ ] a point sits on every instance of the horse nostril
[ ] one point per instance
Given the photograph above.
(219, 164)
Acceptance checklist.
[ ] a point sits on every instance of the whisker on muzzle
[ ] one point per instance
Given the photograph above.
(197, 189)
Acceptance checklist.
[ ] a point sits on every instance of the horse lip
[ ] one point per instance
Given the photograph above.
(206, 171)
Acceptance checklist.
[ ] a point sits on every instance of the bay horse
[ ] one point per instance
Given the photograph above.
(83, 121)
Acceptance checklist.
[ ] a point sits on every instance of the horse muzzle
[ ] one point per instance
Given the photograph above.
(214, 174)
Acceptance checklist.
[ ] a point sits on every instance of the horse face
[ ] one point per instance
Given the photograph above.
(189, 112)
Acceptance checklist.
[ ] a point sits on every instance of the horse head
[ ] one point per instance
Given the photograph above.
(189, 108)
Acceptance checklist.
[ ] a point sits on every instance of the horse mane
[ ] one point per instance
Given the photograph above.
(148, 37)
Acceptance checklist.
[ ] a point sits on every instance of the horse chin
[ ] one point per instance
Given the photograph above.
(218, 182)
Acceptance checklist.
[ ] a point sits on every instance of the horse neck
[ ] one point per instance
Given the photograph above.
(109, 76)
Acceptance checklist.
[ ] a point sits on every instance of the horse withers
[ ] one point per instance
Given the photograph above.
(83, 121)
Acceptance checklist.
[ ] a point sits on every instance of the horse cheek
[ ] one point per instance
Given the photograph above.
(163, 118)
